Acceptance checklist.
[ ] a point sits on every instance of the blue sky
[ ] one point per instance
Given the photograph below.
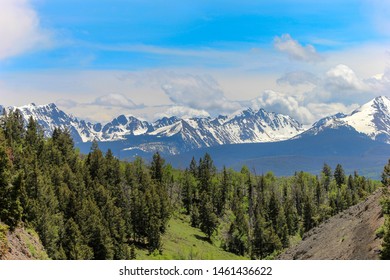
(97, 59)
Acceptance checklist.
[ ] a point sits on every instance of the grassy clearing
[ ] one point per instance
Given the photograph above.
(183, 242)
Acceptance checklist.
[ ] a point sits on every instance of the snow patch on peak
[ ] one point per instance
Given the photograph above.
(372, 119)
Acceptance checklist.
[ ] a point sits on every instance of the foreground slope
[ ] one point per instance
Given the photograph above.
(21, 244)
(350, 235)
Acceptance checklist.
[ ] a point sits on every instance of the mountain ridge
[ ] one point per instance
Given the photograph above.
(372, 119)
(173, 135)
(248, 126)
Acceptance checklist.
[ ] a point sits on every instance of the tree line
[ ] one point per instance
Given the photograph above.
(97, 207)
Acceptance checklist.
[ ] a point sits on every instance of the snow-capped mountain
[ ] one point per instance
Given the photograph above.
(123, 126)
(247, 126)
(372, 119)
(174, 135)
(49, 117)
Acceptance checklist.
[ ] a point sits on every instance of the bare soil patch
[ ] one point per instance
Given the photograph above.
(350, 235)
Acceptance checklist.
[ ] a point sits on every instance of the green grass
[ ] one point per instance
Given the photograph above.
(183, 242)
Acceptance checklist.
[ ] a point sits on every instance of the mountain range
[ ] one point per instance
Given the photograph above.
(170, 135)
(257, 138)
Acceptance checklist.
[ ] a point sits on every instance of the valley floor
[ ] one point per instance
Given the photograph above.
(350, 235)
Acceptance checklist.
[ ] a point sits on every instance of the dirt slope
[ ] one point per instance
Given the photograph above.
(350, 235)
(23, 244)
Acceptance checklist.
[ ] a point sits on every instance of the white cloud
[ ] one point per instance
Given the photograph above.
(114, 100)
(183, 112)
(298, 78)
(321, 110)
(380, 83)
(305, 110)
(342, 78)
(295, 50)
(198, 92)
(20, 29)
(278, 102)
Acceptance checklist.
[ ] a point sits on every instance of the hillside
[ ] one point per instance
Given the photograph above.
(350, 235)
(183, 242)
(21, 244)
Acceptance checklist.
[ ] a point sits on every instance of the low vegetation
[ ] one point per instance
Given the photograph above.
(3, 240)
(385, 229)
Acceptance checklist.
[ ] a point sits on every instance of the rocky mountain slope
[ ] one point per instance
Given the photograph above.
(372, 119)
(247, 126)
(350, 235)
(172, 135)
(21, 244)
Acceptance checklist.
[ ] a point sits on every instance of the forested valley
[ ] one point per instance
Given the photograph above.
(95, 206)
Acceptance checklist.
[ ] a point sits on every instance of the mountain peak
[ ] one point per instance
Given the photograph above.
(382, 103)
(382, 98)
(372, 119)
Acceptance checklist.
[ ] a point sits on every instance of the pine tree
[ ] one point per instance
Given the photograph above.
(206, 172)
(273, 209)
(385, 253)
(207, 217)
(188, 191)
(74, 243)
(308, 214)
(339, 175)
(238, 240)
(386, 175)
(157, 167)
(327, 176)
(194, 168)
(10, 205)
(222, 193)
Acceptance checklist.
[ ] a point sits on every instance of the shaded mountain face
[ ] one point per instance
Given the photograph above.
(371, 119)
(170, 135)
(341, 145)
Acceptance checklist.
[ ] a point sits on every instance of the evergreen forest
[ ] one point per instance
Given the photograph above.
(95, 206)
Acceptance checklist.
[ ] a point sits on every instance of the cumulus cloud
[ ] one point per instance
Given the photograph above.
(183, 112)
(341, 78)
(380, 83)
(278, 102)
(20, 29)
(321, 110)
(303, 110)
(298, 78)
(295, 50)
(115, 100)
(198, 92)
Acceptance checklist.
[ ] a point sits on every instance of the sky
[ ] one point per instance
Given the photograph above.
(99, 59)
